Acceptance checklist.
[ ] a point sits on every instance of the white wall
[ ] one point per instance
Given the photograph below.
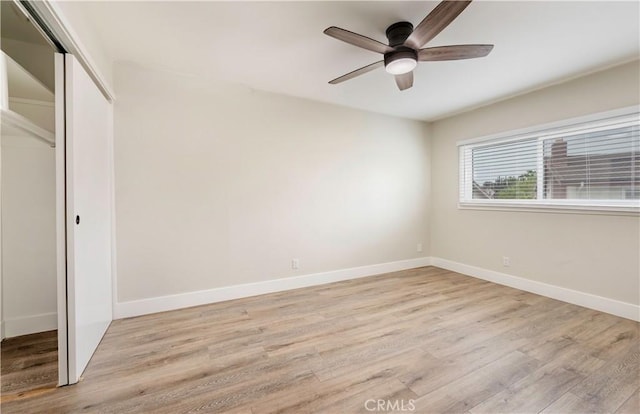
(28, 236)
(219, 185)
(595, 254)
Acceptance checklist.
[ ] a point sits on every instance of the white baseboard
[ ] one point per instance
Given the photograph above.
(612, 306)
(203, 297)
(30, 324)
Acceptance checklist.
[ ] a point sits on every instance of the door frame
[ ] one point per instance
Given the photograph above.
(61, 220)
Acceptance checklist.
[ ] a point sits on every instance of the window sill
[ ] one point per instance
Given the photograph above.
(552, 208)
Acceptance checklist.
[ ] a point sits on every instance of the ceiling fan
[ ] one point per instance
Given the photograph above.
(403, 52)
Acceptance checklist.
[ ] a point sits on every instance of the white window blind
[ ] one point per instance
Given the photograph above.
(591, 163)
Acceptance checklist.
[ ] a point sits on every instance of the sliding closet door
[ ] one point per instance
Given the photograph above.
(88, 126)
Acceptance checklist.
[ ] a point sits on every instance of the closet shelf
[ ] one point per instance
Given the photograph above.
(16, 124)
(17, 82)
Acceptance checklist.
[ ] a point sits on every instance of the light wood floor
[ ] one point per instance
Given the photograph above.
(431, 339)
(28, 365)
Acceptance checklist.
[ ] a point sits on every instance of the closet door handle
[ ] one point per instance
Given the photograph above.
(77, 219)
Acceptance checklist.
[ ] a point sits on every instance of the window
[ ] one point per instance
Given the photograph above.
(590, 163)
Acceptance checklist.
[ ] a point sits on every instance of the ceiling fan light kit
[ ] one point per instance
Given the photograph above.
(401, 61)
(402, 54)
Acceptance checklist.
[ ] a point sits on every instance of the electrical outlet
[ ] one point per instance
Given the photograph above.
(295, 264)
(506, 262)
(419, 247)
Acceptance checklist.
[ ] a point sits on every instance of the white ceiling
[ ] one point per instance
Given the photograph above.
(280, 47)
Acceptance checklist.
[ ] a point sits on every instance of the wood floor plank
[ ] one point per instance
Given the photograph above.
(569, 403)
(445, 341)
(392, 391)
(612, 385)
(632, 405)
(28, 365)
(531, 394)
(477, 386)
(615, 340)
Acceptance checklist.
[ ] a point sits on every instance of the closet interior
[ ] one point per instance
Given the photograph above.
(28, 314)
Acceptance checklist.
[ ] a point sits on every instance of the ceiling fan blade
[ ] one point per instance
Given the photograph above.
(404, 81)
(435, 22)
(453, 52)
(357, 72)
(357, 40)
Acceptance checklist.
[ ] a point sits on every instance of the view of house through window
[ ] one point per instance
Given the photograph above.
(590, 163)
(600, 166)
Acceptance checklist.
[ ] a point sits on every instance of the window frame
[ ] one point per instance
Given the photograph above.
(541, 133)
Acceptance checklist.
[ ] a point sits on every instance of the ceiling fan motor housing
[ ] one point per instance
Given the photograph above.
(397, 33)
